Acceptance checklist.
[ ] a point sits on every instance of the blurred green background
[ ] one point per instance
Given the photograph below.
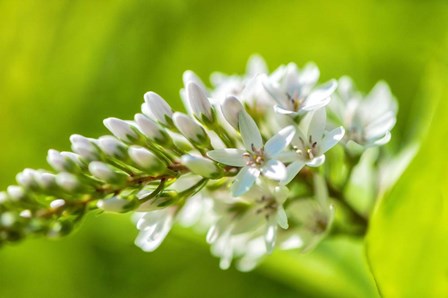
(66, 65)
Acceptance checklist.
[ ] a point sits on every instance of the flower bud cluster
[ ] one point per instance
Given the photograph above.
(248, 162)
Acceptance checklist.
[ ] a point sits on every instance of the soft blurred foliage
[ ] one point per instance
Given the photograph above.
(66, 65)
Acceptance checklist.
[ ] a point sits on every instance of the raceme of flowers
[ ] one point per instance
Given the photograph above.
(248, 163)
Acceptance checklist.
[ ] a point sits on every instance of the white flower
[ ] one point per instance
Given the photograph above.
(294, 91)
(367, 120)
(248, 229)
(258, 158)
(310, 143)
(312, 218)
(248, 86)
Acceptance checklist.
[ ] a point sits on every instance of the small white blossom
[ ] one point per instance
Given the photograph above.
(367, 120)
(310, 144)
(294, 90)
(257, 158)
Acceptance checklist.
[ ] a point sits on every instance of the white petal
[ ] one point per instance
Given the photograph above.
(280, 141)
(244, 181)
(249, 131)
(380, 126)
(278, 109)
(256, 65)
(274, 170)
(282, 219)
(320, 96)
(292, 170)
(381, 141)
(274, 91)
(316, 162)
(155, 231)
(287, 156)
(317, 125)
(332, 138)
(228, 156)
(270, 236)
(309, 75)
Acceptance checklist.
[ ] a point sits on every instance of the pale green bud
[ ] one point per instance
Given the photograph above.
(123, 130)
(113, 147)
(150, 129)
(201, 166)
(107, 173)
(114, 204)
(146, 160)
(158, 109)
(191, 130)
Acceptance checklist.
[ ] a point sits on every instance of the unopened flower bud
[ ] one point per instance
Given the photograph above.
(25, 213)
(201, 166)
(191, 130)
(16, 193)
(61, 162)
(58, 203)
(113, 147)
(190, 76)
(114, 204)
(3, 197)
(45, 180)
(107, 173)
(158, 109)
(199, 103)
(85, 147)
(146, 160)
(123, 130)
(26, 178)
(150, 129)
(231, 108)
(68, 182)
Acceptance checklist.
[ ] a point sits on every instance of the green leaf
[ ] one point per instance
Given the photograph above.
(407, 243)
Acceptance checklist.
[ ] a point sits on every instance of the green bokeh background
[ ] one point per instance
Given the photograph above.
(66, 65)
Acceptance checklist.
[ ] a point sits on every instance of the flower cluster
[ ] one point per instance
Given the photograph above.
(245, 163)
